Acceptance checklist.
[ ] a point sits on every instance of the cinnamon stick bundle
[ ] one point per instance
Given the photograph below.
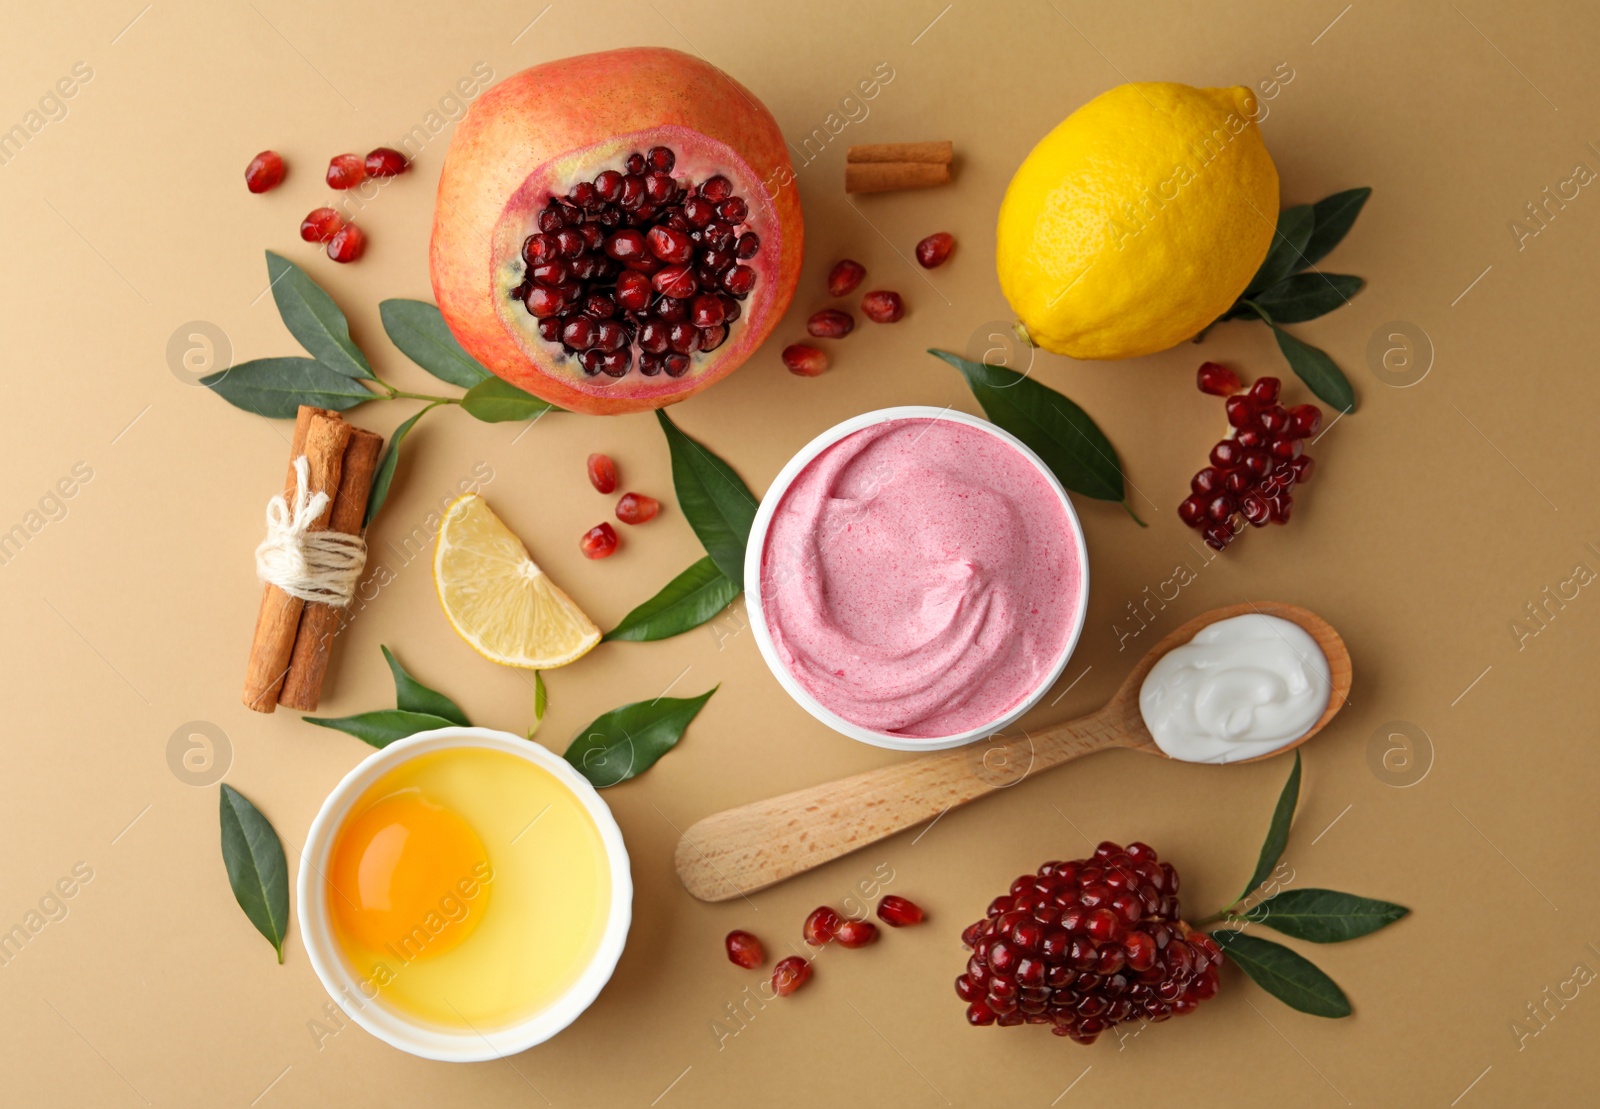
(889, 167)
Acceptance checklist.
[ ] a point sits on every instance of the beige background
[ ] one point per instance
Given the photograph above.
(1437, 513)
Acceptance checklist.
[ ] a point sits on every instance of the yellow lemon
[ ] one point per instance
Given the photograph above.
(498, 599)
(1138, 220)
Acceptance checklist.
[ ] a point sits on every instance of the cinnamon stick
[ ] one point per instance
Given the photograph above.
(323, 442)
(319, 623)
(931, 153)
(888, 177)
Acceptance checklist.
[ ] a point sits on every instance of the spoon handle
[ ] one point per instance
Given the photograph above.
(740, 850)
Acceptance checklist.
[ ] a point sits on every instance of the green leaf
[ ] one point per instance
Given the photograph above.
(685, 602)
(1289, 977)
(384, 477)
(277, 387)
(1313, 366)
(411, 695)
(257, 870)
(1305, 296)
(541, 701)
(718, 505)
(1057, 430)
(1277, 832)
(1324, 916)
(494, 401)
(1287, 253)
(627, 741)
(417, 328)
(382, 727)
(313, 318)
(1333, 217)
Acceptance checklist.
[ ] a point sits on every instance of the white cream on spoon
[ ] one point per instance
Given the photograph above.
(1241, 688)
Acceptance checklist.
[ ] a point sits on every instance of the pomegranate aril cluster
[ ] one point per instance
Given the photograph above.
(636, 268)
(1088, 944)
(1250, 472)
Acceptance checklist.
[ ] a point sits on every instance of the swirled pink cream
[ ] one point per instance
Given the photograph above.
(921, 578)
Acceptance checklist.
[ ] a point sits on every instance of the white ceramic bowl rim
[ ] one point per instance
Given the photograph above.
(388, 1024)
(756, 549)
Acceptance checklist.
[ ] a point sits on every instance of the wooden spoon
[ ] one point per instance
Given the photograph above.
(754, 846)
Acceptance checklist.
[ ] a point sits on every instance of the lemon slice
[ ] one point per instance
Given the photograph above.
(498, 599)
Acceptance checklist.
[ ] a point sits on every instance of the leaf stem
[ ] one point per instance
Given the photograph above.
(1128, 505)
(395, 394)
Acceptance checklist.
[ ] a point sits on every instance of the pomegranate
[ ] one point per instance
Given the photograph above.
(644, 235)
(265, 172)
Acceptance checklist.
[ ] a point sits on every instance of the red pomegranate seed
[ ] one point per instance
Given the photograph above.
(856, 933)
(1305, 420)
(347, 244)
(821, 926)
(633, 291)
(803, 360)
(1217, 379)
(789, 975)
(346, 171)
(1241, 411)
(386, 161)
(845, 276)
(896, 911)
(602, 473)
(1302, 467)
(1275, 418)
(264, 172)
(636, 508)
(882, 306)
(599, 541)
(744, 950)
(1265, 390)
(1192, 510)
(675, 281)
(320, 225)
(706, 311)
(830, 323)
(933, 251)
(669, 245)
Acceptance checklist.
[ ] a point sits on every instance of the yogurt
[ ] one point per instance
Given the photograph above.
(921, 578)
(1240, 688)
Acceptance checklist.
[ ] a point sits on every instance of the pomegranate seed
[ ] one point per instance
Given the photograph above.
(660, 159)
(716, 188)
(602, 473)
(636, 508)
(789, 975)
(897, 912)
(346, 171)
(1265, 390)
(1208, 480)
(386, 162)
(265, 172)
(599, 541)
(803, 360)
(1192, 511)
(821, 926)
(1217, 379)
(934, 251)
(633, 291)
(1305, 420)
(830, 323)
(578, 333)
(856, 933)
(1241, 411)
(706, 311)
(320, 225)
(669, 245)
(1302, 467)
(675, 281)
(744, 950)
(1254, 507)
(882, 306)
(739, 280)
(676, 365)
(748, 245)
(347, 244)
(845, 276)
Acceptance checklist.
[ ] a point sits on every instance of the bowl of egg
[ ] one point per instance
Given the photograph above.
(464, 894)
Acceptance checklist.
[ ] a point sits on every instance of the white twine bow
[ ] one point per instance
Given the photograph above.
(317, 566)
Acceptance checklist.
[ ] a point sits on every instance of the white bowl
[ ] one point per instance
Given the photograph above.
(758, 542)
(418, 1037)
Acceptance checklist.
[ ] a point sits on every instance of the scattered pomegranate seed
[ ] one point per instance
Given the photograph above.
(1218, 380)
(830, 323)
(603, 473)
(897, 912)
(346, 171)
(599, 541)
(789, 975)
(744, 950)
(803, 360)
(845, 276)
(636, 508)
(320, 225)
(934, 251)
(856, 933)
(264, 172)
(385, 161)
(821, 926)
(347, 244)
(882, 306)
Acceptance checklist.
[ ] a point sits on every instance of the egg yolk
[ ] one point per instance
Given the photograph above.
(408, 875)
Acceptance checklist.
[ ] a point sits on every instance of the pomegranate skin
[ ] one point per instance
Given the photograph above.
(542, 123)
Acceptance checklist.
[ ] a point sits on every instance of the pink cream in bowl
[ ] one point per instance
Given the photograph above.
(921, 578)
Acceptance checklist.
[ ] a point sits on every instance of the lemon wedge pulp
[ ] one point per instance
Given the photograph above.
(497, 598)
